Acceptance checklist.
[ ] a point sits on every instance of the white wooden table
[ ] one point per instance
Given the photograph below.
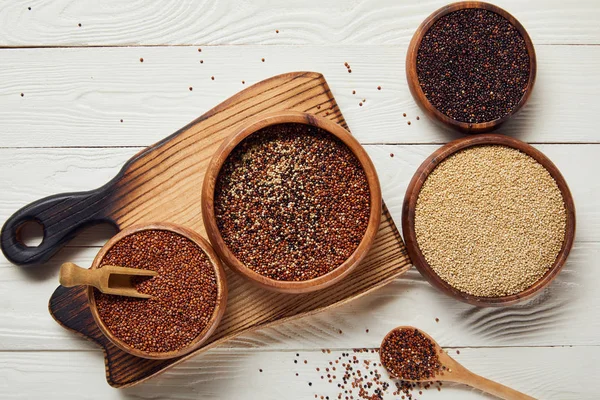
(65, 88)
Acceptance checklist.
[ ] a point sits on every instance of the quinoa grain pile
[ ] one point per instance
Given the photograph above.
(473, 65)
(292, 202)
(184, 292)
(408, 354)
(490, 220)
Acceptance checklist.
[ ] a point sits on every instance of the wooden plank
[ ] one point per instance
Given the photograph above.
(34, 173)
(77, 97)
(151, 22)
(567, 313)
(547, 373)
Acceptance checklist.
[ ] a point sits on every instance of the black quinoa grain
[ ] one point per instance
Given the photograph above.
(292, 202)
(184, 292)
(473, 65)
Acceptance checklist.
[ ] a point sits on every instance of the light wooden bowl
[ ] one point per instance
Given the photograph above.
(221, 291)
(208, 191)
(413, 78)
(410, 202)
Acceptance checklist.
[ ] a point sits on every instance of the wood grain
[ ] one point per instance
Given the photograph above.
(249, 307)
(564, 314)
(41, 172)
(150, 184)
(565, 373)
(163, 182)
(210, 22)
(77, 97)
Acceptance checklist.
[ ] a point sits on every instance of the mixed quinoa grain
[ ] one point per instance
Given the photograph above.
(359, 375)
(490, 220)
(473, 65)
(408, 354)
(292, 202)
(184, 292)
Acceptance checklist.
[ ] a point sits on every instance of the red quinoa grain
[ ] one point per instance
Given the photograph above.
(184, 292)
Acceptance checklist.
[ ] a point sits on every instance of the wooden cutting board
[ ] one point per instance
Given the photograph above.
(163, 184)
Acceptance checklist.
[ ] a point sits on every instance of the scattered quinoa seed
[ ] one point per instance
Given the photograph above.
(191, 88)
(141, 59)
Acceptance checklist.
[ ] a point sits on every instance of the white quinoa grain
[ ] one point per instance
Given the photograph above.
(490, 220)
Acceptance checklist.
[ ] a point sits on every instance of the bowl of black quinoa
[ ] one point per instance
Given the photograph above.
(292, 202)
(471, 66)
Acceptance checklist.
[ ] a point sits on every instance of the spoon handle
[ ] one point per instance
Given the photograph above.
(73, 275)
(491, 387)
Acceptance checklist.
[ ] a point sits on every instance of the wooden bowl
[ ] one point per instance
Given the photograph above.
(413, 79)
(410, 202)
(208, 191)
(221, 291)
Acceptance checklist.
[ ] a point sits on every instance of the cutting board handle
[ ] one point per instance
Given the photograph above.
(61, 216)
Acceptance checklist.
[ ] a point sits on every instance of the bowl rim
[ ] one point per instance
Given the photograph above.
(256, 124)
(412, 194)
(413, 78)
(220, 304)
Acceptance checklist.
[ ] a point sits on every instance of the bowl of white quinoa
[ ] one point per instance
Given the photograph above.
(488, 220)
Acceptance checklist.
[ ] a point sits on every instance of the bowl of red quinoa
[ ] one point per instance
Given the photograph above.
(189, 293)
(488, 220)
(292, 202)
(471, 66)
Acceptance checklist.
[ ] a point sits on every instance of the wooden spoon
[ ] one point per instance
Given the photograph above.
(452, 371)
(109, 279)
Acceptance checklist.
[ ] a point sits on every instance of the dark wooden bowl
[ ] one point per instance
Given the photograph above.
(221, 291)
(208, 191)
(413, 79)
(410, 202)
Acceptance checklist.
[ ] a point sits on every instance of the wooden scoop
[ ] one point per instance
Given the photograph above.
(109, 279)
(454, 372)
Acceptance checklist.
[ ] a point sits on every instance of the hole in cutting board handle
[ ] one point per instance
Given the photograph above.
(30, 233)
(61, 217)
